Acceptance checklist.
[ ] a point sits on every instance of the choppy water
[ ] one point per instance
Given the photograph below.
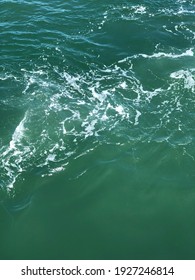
(97, 127)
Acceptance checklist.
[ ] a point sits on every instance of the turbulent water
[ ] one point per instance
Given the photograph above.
(97, 127)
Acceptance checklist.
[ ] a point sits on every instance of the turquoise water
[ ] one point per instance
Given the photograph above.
(97, 129)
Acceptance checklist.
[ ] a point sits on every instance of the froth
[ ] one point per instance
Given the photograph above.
(74, 110)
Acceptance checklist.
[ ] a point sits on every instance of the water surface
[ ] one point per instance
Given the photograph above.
(97, 129)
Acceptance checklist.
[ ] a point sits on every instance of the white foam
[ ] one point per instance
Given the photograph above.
(90, 104)
(51, 157)
(139, 9)
(5, 77)
(15, 154)
(18, 133)
(55, 147)
(89, 129)
(17, 136)
(11, 184)
(57, 169)
(187, 76)
(185, 11)
(169, 55)
(104, 117)
(72, 80)
(99, 96)
(138, 114)
(63, 127)
(123, 85)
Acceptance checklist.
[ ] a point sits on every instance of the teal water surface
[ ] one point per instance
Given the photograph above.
(97, 129)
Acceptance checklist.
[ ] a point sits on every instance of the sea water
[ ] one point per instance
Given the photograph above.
(97, 129)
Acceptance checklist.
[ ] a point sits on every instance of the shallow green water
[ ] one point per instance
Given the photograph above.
(97, 127)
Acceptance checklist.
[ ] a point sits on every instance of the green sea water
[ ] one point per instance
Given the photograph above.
(97, 129)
